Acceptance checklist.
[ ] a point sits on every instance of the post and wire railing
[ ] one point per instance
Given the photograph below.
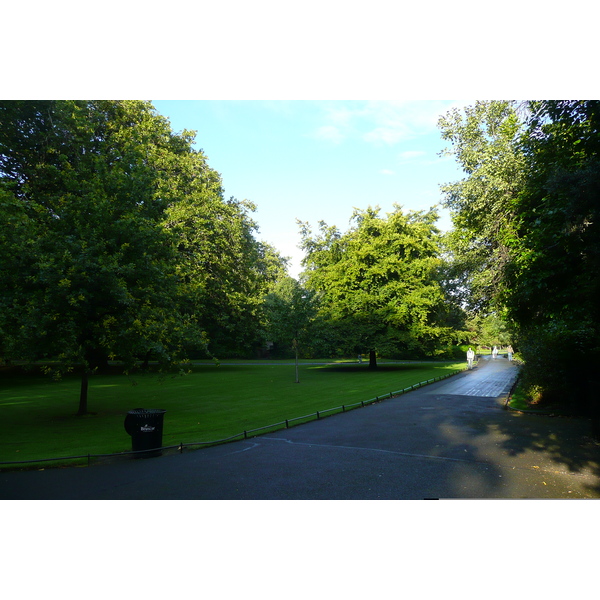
(243, 435)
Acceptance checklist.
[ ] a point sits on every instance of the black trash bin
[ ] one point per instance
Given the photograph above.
(145, 426)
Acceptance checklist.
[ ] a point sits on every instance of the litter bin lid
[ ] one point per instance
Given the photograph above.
(146, 411)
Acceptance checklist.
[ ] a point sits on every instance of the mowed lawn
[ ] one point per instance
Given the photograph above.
(37, 415)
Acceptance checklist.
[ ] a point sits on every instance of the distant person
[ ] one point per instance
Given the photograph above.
(470, 357)
(509, 351)
(494, 352)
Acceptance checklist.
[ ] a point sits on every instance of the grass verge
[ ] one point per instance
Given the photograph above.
(37, 415)
(519, 399)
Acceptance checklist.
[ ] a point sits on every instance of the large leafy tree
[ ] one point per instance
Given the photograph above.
(120, 244)
(225, 271)
(526, 230)
(489, 330)
(380, 283)
(486, 142)
(553, 285)
(290, 311)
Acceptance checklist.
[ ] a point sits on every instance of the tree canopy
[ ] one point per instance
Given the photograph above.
(486, 142)
(121, 245)
(118, 244)
(553, 285)
(379, 283)
(526, 231)
(290, 311)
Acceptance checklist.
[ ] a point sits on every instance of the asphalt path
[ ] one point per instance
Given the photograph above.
(451, 439)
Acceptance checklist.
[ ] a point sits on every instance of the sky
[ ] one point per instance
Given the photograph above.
(319, 160)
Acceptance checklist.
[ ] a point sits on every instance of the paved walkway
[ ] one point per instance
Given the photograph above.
(494, 381)
(451, 439)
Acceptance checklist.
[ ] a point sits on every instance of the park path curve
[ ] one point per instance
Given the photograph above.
(450, 439)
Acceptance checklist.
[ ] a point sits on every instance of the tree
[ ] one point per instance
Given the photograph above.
(526, 231)
(486, 142)
(489, 330)
(87, 185)
(290, 309)
(121, 244)
(225, 271)
(379, 283)
(553, 284)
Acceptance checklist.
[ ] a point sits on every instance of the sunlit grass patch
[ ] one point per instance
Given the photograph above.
(38, 420)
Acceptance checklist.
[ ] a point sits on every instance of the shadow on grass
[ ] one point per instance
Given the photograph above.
(364, 368)
(224, 367)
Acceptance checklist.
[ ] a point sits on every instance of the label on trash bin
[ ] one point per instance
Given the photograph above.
(147, 428)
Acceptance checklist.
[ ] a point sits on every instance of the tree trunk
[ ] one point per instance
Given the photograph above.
(83, 394)
(372, 359)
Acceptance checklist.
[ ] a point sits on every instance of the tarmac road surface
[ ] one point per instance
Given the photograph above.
(451, 439)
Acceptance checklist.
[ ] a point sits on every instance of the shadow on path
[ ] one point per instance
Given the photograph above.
(433, 442)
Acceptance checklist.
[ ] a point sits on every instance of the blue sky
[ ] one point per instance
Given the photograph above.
(318, 160)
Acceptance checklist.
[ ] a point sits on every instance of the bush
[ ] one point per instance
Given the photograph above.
(556, 369)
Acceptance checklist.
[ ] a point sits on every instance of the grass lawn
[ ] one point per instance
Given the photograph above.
(522, 400)
(519, 399)
(37, 415)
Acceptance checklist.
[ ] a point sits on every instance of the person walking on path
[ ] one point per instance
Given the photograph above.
(509, 351)
(470, 357)
(494, 352)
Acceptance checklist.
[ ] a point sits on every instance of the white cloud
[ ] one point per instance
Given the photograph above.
(329, 133)
(379, 122)
(387, 172)
(390, 135)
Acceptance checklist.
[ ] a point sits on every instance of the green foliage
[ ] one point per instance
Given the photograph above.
(290, 310)
(526, 238)
(96, 280)
(120, 243)
(224, 271)
(379, 283)
(485, 140)
(489, 330)
(553, 285)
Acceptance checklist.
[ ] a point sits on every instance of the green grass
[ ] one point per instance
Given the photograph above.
(519, 399)
(528, 400)
(37, 415)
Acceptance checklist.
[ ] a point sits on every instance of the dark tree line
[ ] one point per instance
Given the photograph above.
(117, 242)
(526, 242)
